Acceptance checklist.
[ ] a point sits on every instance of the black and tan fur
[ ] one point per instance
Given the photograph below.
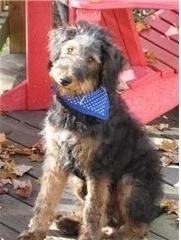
(119, 171)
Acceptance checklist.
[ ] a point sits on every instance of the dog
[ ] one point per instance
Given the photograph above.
(90, 133)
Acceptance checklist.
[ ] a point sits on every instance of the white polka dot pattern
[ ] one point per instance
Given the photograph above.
(95, 104)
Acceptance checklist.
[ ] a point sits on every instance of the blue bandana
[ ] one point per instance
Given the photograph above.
(95, 104)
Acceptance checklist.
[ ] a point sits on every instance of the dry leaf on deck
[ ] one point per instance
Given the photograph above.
(23, 188)
(12, 150)
(168, 158)
(4, 155)
(150, 57)
(162, 126)
(3, 139)
(2, 164)
(21, 169)
(141, 25)
(6, 169)
(3, 190)
(170, 206)
(4, 174)
(168, 146)
(39, 147)
(10, 165)
(35, 157)
(3, 182)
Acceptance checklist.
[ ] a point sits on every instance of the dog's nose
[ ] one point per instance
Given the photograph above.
(65, 80)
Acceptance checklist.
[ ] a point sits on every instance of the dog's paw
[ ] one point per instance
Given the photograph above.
(67, 226)
(27, 235)
(108, 233)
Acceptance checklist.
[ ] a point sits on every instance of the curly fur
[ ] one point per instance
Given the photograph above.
(114, 158)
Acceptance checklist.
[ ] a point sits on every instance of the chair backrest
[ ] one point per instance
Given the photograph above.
(118, 18)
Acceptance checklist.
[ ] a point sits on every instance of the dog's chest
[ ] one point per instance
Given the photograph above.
(74, 151)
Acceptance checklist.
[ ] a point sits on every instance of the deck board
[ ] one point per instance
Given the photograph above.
(7, 233)
(35, 186)
(171, 174)
(14, 213)
(18, 132)
(37, 167)
(168, 229)
(29, 117)
(23, 127)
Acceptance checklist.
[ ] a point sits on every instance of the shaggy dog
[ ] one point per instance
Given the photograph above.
(90, 133)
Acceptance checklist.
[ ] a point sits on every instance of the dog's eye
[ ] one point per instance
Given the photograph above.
(69, 50)
(90, 59)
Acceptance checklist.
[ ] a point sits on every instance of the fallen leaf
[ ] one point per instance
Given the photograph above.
(39, 147)
(12, 150)
(150, 57)
(6, 169)
(5, 156)
(3, 190)
(3, 139)
(35, 157)
(170, 206)
(168, 146)
(4, 181)
(162, 126)
(4, 174)
(10, 165)
(23, 188)
(2, 164)
(168, 158)
(142, 25)
(19, 183)
(19, 170)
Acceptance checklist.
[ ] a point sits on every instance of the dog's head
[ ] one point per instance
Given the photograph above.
(83, 58)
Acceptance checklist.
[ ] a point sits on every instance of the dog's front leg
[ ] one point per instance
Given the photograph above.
(52, 185)
(95, 209)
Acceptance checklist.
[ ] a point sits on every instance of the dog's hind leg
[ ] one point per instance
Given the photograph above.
(133, 206)
(52, 185)
(94, 213)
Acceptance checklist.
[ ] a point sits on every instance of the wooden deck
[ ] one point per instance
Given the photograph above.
(23, 128)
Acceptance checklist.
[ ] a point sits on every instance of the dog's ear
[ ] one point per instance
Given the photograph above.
(113, 62)
(56, 38)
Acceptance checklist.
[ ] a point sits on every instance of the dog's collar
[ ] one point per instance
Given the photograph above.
(95, 104)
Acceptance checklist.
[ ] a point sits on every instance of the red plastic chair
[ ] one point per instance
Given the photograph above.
(154, 88)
